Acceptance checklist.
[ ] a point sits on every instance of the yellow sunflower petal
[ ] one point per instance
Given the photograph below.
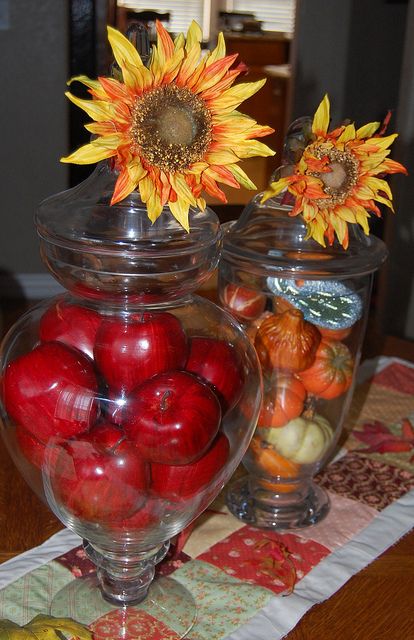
(123, 49)
(377, 184)
(362, 217)
(377, 144)
(201, 204)
(161, 53)
(137, 78)
(97, 109)
(347, 134)
(310, 211)
(275, 188)
(181, 188)
(188, 66)
(321, 118)
(91, 84)
(241, 177)
(373, 161)
(179, 42)
(89, 154)
(180, 209)
(249, 148)
(346, 213)
(194, 35)
(339, 226)
(316, 230)
(368, 130)
(154, 206)
(101, 128)
(222, 157)
(385, 201)
(218, 52)
(146, 187)
(136, 171)
(234, 96)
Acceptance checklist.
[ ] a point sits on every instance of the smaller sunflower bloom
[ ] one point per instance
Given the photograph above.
(171, 129)
(337, 179)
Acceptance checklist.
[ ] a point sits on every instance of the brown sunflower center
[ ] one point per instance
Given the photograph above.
(342, 177)
(171, 128)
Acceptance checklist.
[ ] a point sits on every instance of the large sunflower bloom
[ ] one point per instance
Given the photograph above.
(336, 181)
(171, 129)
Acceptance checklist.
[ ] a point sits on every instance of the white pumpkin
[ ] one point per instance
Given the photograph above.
(302, 440)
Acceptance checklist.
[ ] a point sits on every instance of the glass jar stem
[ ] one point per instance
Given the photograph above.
(124, 579)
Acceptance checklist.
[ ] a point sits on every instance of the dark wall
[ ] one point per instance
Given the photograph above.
(352, 50)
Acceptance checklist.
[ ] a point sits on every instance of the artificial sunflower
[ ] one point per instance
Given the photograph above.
(336, 180)
(171, 129)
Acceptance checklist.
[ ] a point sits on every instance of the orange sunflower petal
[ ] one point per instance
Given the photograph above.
(123, 187)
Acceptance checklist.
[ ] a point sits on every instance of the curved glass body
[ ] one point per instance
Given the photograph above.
(305, 309)
(128, 401)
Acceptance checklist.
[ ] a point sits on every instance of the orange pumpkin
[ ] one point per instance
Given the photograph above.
(273, 464)
(331, 373)
(334, 334)
(283, 402)
(287, 341)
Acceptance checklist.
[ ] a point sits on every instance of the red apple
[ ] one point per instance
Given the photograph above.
(218, 363)
(100, 476)
(51, 391)
(172, 418)
(244, 303)
(32, 449)
(183, 482)
(147, 516)
(128, 352)
(113, 405)
(71, 324)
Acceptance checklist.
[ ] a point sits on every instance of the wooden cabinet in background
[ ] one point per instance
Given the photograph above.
(267, 56)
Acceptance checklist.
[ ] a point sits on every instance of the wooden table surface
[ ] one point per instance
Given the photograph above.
(375, 604)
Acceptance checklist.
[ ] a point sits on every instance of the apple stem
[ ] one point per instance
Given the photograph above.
(165, 400)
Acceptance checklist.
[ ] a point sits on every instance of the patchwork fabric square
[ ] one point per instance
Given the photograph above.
(371, 482)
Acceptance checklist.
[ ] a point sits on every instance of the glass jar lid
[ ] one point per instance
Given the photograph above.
(116, 249)
(266, 240)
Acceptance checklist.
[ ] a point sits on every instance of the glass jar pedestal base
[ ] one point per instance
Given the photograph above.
(270, 507)
(124, 600)
(167, 606)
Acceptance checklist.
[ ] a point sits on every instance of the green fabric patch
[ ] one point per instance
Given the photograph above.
(23, 599)
(224, 603)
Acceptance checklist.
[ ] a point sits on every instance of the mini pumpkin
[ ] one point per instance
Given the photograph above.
(331, 373)
(274, 465)
(244, 303)
(287, 341)
(283, 401)
(302, 440)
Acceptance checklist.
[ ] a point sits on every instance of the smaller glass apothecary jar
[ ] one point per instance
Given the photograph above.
(305, 308)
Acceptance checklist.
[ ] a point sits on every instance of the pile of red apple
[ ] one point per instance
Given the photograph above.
(131, 409)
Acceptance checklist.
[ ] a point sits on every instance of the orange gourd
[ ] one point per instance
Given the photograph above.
(331, 373)
(334, 334)
(287, 341)
(283, 402)
(273, 464)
